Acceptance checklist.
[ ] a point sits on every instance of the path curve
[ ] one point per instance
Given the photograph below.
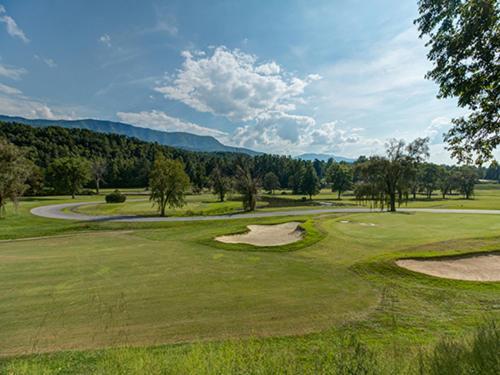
(54, 211)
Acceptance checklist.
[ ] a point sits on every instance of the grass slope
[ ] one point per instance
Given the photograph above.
(126, 284)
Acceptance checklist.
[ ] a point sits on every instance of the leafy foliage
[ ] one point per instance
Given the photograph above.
(270, 182)
(69, 174)
(15, 170)
(116, 197)
(168, 183)
(464, 41)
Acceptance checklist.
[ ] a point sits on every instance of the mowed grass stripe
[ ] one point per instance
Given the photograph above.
(105, 289)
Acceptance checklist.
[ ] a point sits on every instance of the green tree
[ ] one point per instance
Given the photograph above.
(270, 182)
(493, 171)
(69, 174)
(15, 170)
(383, 177)
(340, 175)
(464, 40)
(429, 178)
(168, 183)
(310, 181)
(467, 179)
(98, 169)
(296, 176)
(445, 182)
(221, 184)
(247, 185)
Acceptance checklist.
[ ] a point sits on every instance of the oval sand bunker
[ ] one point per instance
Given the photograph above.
(267, 235)
(484, 267)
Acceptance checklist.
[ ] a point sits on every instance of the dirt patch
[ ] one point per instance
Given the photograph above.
(267, 235)
(483, 267)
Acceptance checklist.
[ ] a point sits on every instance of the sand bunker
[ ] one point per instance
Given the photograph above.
(484, 267)
(267, 235)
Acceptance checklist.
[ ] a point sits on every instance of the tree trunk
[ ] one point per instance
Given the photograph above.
(339, 195)
(163, 203)
(392, 201)
(72, 194)
(97, 186)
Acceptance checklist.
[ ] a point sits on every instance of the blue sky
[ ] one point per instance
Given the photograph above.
(277, 76)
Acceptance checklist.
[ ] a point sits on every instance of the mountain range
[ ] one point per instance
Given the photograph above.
(324, 157)
(187, 141)
(182, 140)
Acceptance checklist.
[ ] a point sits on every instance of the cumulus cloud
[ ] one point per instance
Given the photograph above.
(234, 84)
(105, 39)
(437, 128)
(14, 104)
(292, 134)
(11, 26)
(159, 120)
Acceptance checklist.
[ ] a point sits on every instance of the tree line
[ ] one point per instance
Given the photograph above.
(54, 160)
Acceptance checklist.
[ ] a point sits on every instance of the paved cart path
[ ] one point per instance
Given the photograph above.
(55, 211)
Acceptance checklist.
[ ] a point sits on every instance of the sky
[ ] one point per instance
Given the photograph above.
(286, 77)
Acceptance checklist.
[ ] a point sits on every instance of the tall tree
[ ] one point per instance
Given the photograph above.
(493, 171)
(221, 184)
(310, 181)
(340, 175)
(168, 183)
(270, 182)
(464, 41)
(467, 180)
(445, 182)
(69, 174)
(430, 178)
(296, 176)
(98, 169)
(383, 176)
(247, 185)
(15, 170)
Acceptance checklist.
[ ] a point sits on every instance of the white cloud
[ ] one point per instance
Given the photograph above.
(9, 90)
(16, 105)
(232, 84)
(161, 121)
(105, 39)
(12, 73)
(12, 28)
(47, 61)
(293, 134)
(437, 128)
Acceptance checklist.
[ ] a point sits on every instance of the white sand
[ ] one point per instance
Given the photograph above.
(484, 267)
(267, 235)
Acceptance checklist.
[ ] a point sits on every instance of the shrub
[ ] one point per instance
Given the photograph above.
(115, 197)
(87, 192)
(476, 356)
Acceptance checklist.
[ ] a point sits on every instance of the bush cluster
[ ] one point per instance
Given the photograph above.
(115, 197)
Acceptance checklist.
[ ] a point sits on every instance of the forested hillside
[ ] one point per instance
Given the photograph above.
(182, 140)
(126, 162)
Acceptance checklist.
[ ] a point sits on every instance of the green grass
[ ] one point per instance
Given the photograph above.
(181, 303)
(197, 205)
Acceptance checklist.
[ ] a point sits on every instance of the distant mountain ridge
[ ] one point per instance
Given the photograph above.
(187, 141)
(324, 157)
